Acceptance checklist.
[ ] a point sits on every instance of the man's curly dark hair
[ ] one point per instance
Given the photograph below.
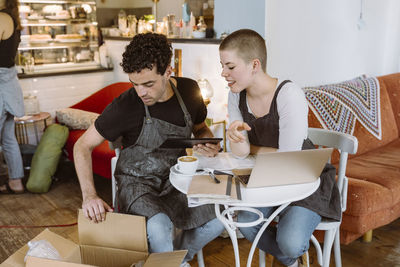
(145, 51)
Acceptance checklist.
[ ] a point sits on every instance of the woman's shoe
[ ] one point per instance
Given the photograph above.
(6, 189)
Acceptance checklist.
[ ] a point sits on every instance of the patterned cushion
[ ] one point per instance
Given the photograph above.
(76, 119)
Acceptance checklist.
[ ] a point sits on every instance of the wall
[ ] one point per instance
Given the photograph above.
(56, 92)
(314, 42)
(231, 15)
(165, 7)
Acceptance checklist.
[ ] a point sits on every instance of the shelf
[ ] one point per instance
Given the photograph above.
(56, 2)
(69, 70)
(172, 40)
(56, 45)
(57, 23)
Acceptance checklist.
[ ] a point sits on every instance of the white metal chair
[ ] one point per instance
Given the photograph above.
(345, 144)
(116, 146)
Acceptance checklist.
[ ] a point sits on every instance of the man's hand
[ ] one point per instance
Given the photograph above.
(95, 208)
(209, 150)
(234, 134)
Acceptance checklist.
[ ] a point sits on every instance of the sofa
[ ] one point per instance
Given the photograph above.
(373, 198)
(97, 102)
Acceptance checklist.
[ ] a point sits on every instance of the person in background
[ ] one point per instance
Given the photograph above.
(11, 98)
(157, 107)
(267, 112)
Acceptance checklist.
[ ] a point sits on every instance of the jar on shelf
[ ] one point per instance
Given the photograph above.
(132, 21)
(31, 105)
(201, 26)
(122, 21)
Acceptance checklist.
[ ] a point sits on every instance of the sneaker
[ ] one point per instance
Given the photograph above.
(185, 264)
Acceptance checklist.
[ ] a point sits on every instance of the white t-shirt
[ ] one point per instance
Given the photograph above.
(293, 115)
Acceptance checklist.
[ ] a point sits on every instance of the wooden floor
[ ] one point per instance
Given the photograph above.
(59, 206)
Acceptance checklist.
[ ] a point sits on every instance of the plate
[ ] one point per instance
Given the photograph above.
(58, 17)
(174, 169)
(68, 40)
(32, 17)
(40, 41)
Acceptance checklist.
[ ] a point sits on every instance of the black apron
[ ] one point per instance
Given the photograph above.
(265, 132)
(142, 174)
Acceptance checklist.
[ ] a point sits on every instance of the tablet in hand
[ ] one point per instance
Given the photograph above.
(188, 142)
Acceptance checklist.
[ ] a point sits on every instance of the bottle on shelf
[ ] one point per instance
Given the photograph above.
(192, 24)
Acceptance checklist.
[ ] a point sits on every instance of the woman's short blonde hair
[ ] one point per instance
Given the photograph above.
(248, 44)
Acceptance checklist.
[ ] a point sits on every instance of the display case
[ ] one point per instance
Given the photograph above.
(57, 35)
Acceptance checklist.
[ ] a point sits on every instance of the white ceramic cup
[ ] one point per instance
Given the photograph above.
(187, 164)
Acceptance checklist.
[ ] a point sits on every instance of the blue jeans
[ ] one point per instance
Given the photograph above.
(290, 239)
(160, 235)
(10, 146)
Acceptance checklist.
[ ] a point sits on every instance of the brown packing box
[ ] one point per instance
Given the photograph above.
(119, 241)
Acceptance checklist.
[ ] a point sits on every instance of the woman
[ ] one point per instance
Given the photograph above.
(265, 113)
(11, 99)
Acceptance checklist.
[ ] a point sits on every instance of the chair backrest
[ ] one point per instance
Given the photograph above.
(345, 144)
(116, 146)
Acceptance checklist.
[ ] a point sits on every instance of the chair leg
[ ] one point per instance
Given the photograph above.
(113, 187)
(328, 242)
(317, 248)
(336, 249)
(200, 258)
(261, 258)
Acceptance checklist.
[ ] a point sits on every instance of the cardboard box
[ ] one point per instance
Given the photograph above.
(119, 241)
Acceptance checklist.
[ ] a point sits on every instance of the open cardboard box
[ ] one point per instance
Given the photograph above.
(119, 241)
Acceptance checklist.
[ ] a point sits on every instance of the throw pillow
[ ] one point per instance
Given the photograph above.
(76, 119)
(46, 157)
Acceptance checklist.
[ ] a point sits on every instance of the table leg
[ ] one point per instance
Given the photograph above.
(261, 231)
(231, 229)
(25, 131)
(36, 133)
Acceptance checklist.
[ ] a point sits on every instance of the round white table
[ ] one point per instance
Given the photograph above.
(274, 196)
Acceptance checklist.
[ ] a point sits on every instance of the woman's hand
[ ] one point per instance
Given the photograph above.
(208, 149)
(234, 134)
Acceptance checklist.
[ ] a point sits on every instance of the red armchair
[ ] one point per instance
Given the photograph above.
(97, 102)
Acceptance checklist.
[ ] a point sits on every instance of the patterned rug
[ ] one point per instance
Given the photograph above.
(338, 106)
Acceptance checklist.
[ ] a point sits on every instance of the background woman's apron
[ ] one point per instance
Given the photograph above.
(265, 132)
(142, 174)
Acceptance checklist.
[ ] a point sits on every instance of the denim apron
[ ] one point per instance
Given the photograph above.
(142, 174)
(265, 132)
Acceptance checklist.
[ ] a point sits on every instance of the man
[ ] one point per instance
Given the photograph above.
(157, 107)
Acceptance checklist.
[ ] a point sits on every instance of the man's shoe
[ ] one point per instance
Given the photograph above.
(185, 264)
(303, 260)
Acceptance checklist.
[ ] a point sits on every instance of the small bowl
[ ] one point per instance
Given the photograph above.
(198, 34)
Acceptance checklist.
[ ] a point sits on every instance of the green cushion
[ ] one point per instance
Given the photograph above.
(46, 157)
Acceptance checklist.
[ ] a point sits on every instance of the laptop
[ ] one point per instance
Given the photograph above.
(292, 167)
